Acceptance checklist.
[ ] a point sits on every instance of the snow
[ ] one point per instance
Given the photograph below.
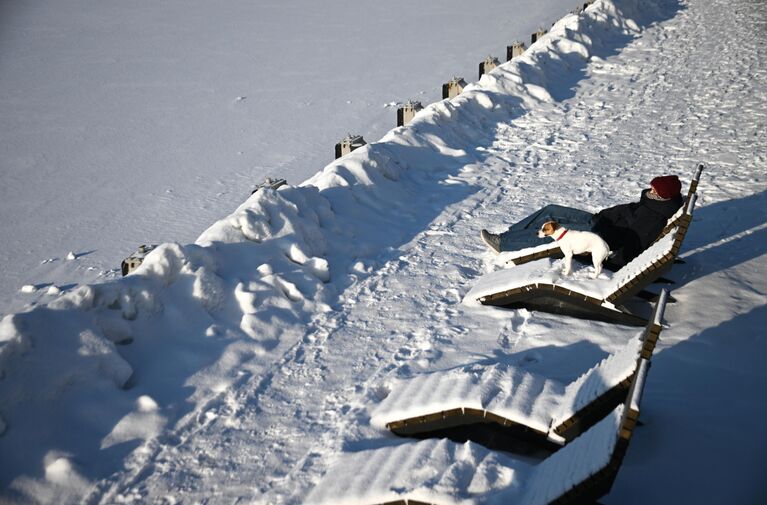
(637, 388)
(262, 359)
(431, 471)
(610, 372)
(507, 256)
(145, 423)
(582, 458)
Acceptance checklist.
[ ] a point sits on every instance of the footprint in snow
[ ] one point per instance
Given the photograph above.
(531, 358)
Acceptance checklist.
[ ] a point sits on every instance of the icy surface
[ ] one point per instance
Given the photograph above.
(262, 359)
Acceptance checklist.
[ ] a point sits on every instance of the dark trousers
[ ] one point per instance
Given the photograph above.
(525, 233)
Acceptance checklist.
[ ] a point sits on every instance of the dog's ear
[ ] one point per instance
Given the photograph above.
(550, 227)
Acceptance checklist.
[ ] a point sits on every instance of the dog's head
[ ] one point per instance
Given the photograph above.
(548, 229)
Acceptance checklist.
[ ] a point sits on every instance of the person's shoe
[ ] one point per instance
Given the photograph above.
(492, 240)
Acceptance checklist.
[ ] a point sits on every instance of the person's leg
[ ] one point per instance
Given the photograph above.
(525, 233)
(566, 216)
(572, 219)
(521, 238)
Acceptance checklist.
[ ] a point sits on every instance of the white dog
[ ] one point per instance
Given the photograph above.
(577, 242)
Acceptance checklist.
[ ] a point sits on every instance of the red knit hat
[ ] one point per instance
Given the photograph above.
(667, 186)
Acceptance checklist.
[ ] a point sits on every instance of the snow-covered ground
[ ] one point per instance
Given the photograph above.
(142, 122)
(238, 368)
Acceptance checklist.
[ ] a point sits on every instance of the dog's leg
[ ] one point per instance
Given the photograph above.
(597, 265)
(568, 263)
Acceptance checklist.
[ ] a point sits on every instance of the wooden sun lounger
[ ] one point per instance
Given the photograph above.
(441, 472)
(492, 429)
(574, 301)
(553, 251)
(601, 482)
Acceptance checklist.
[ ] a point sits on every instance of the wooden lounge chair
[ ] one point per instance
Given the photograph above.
(511, 409)
(539, 285)
(443, 472)
(552, 250)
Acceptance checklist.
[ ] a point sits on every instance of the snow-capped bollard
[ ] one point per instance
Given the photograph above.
(517, 48)
(407, 112)
(349, 144)
(135, 260)
(537, 35)
(453, 87)
(269, 183)
(488, 64)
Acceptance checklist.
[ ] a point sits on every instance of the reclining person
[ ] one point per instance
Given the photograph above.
(628, 229)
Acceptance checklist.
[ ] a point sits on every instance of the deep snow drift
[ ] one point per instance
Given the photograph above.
(240, 367)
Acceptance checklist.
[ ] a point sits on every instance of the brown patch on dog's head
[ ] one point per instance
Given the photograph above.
(548, 228)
